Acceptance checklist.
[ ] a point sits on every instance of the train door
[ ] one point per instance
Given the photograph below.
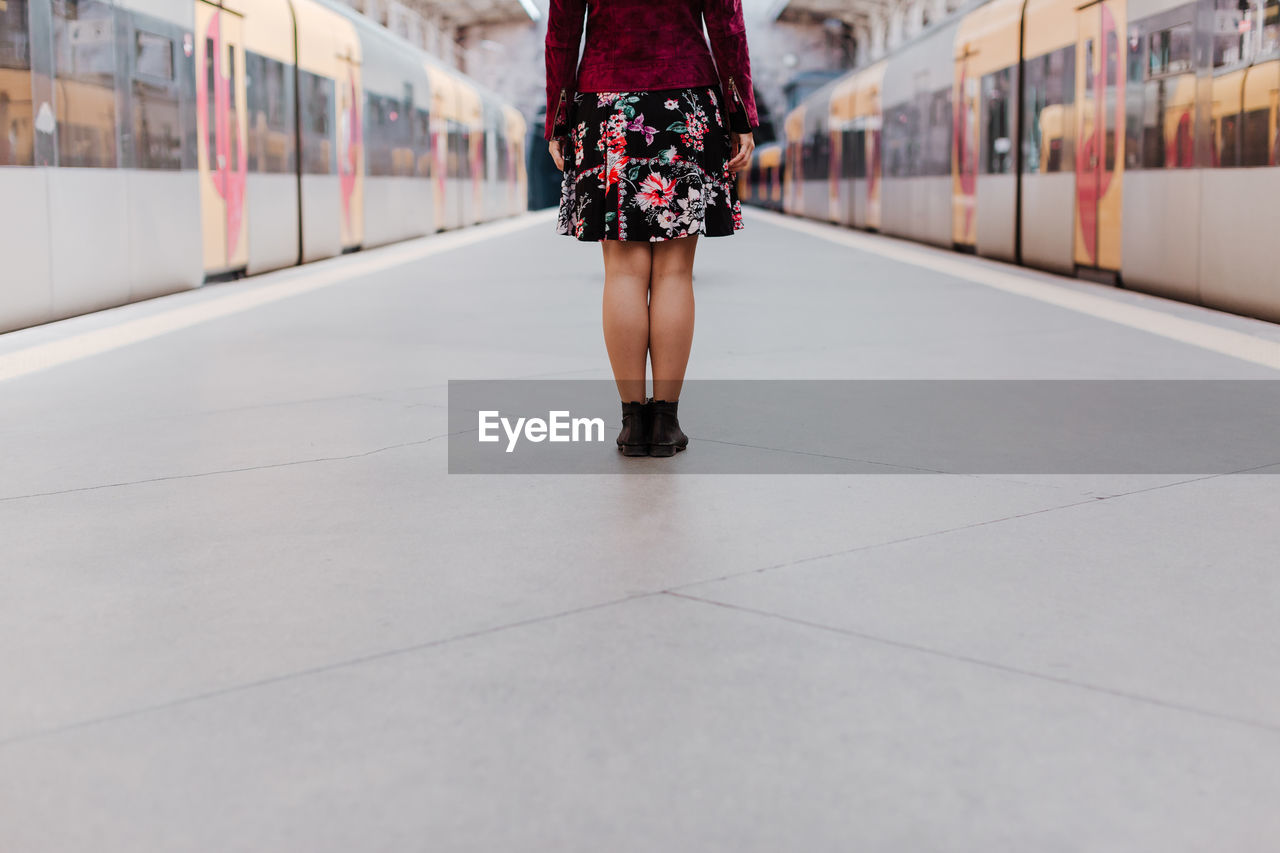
(223, 133)
(1100, 69)
(964, 149)
(350, 147)
(874, 126)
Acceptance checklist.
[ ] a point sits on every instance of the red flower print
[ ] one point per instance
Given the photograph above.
(656, 191)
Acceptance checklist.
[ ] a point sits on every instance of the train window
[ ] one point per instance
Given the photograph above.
(1159, 111)
(1111, 60)
(899, 131)
(377, 136)
(211, 113)
(853, 154)
(153, 56)
(85, 67)
(1048, 91)
(818, 164)
(1256, 147)
(1227, 142)
(937, 142)
(1271, 27)
(422, 142)
(451, 169)
(997, 123)
(269, 100)
(157, 115)
(157, 108)
(234, 108)
(316, 100)
(16, 144)
(388, 134)
(1133, 99)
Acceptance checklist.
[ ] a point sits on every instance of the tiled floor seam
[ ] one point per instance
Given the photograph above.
(198, 474)
(860, 548)
(334, 666)
(1261, 725)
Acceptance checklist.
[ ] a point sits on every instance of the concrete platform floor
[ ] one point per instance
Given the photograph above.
(246, 608)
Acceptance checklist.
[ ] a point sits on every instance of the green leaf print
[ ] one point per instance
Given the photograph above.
(677, 127)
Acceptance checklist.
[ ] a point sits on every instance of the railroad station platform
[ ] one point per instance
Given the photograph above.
(247, 607)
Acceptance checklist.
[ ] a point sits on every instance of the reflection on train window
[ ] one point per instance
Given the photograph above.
(157, 109)
(1271, 27)
(1161, 110)
(818, 162)
(900, 133)
(1260, 116)
(997, 123)
(502, 152)
(853, 154)
(459, 162)
(1049, 91)
(85, 66)
(1110, 132)
(15, 85)
(1169, 51)
(1229, 42)
(388, 134)
(153, 56)
(269, 101)
(316, 96)
(211, 110)
(1244, 30)
(1226, 140)
(234, 139)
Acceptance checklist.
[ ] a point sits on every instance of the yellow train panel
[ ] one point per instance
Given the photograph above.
(1050, 26)
(326, 40)
(1100, 122)
(269, 30)
(988, 36)
(795, 136)
(223, 131)
(844, 100)
(16, 112)
(869, 83)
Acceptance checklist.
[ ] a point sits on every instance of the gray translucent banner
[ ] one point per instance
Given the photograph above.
(879, 427)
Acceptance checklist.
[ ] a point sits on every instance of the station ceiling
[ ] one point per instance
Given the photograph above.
(470, 12)
(818, 11)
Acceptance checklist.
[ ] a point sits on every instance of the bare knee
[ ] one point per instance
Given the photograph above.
(673, 259)
(627, 260)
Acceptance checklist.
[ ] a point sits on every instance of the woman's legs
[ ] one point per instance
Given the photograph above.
(671, 314)
(627, 269)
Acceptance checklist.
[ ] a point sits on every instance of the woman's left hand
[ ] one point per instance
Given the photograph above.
(557, 153)
(741, 148)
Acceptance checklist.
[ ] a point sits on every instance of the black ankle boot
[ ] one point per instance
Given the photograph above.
(665, 436)
(634, 438)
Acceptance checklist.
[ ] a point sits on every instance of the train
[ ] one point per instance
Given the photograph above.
(1134, 142)
(151, 146)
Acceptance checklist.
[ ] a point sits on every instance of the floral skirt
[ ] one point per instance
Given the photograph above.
(648, 166)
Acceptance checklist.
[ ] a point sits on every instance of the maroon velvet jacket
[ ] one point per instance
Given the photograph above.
(638, 45)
